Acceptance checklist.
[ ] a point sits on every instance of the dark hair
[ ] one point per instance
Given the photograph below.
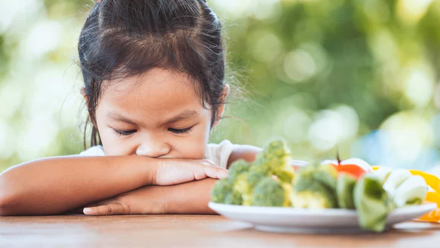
(123, 38)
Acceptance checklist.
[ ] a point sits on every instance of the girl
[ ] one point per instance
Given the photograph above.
(154, 87)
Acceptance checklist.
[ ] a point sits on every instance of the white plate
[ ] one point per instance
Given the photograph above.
(279, 219)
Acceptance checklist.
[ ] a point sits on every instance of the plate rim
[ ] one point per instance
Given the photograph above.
(428, 206)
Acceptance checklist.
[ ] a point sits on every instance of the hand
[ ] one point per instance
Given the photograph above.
(185, 198)
(145, 200)
(175, 171)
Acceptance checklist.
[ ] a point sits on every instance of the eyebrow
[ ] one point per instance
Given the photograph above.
(183, 115)
(119, 117)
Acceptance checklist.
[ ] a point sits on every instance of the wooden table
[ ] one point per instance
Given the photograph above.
(189, 231)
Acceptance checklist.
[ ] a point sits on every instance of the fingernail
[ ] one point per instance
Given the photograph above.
(87, 210)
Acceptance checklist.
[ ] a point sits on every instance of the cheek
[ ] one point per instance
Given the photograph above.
(112, 143)
(194, 145)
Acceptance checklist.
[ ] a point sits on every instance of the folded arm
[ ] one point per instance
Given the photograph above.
(55, 185)
(187, 198)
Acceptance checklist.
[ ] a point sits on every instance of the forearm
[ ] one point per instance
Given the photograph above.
(55, 185)
(189, 198)
(186, 198)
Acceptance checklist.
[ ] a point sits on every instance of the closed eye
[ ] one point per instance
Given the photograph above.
(125, 132)
(180, 131)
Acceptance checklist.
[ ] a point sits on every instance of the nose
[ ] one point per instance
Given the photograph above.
(153, 148)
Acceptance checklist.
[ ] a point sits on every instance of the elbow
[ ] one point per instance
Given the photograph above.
(5, 205)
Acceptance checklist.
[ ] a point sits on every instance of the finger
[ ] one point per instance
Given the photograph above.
(208, 162)
(215, 172)
(102, 202)
(108, 209)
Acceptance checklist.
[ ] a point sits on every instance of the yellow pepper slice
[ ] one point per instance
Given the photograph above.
(434, 215)
(431, 180)
(434, 197)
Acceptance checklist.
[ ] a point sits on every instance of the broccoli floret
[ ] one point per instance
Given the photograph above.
(237, 168)
(245, 184)
(262, 167)
(314, 187)
(220, 190)
(253, 178)
(277, 153)
(284, 174)
(234, 198)
(316, 196)
(223, 192)
(270, 193)
(275, 150)
(275, 159)
(288, 189)
(242, 187)
(244, 178)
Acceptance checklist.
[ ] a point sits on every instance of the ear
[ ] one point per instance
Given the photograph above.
(221, 107)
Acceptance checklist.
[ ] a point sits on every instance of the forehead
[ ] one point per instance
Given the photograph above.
(155, 94)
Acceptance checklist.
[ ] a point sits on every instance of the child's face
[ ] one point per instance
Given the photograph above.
(157, 114)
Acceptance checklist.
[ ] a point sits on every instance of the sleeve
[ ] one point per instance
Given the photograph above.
(93, 151)
(219, 153)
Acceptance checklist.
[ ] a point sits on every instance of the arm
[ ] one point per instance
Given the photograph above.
(186, 198)
(189, 198)
(55, 185)
(246, 152)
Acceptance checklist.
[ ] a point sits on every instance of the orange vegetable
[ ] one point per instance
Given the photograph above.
(434, 215)
(351, 169)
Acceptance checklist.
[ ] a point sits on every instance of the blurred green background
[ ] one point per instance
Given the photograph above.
(354, 75)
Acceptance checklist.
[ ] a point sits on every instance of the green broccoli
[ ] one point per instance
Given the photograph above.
(284, 174)
(316, 196)
(287, 194)
(220, 190)
(262, 167)
(314, 187)
(275, 151)
(275, 159)
(237, 168)
(271, 193)
(245, 184)
(223, 192)
(244, 178)
(241, 186)
(234, 198)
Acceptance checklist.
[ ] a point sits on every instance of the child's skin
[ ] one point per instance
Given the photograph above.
(150, 165)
